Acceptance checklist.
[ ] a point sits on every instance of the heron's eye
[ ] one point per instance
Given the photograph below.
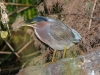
(33, 22)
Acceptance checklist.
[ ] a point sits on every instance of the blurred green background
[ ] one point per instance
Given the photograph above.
(16, 8)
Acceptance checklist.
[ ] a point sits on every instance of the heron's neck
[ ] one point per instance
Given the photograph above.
(43, 34)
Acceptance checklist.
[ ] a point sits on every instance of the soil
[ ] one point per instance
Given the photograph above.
(77, 14)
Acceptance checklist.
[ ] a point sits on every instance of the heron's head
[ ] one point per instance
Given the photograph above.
(38, 21)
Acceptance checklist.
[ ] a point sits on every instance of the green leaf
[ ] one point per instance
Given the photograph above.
(4, 34)
(29, 14)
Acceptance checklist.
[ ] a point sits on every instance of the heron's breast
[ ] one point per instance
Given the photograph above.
(43, 35)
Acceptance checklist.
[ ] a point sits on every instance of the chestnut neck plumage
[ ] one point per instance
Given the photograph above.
(42, 31)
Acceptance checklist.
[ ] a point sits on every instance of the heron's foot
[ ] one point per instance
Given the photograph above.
(64, 53)
(53, 57)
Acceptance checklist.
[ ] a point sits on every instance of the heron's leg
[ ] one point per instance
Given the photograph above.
(65, 49)
(54, 53)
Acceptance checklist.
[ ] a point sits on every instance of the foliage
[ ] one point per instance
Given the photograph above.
(18, 8)
(25, 8)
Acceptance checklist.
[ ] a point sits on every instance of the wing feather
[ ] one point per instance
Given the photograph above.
(60, 31)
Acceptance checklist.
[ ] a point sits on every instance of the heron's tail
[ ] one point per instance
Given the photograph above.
(77, 36)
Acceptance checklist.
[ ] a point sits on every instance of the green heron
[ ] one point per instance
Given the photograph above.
(54, 33)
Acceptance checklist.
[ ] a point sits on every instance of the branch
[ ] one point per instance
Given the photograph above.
(17, 4)
(18, 10)
(25, 46)
(2, 52)
(11, 48)
(92, 14)
(32, 54)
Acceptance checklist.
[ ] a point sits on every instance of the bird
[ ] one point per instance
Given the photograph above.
(56, 34)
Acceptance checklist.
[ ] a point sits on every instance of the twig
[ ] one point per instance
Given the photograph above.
(25, 46)
(3, 48)
(17, 4)
(31, 54)
(12, 48)
(92, 14)
(18, 10)
(2, 52)
(22, 9)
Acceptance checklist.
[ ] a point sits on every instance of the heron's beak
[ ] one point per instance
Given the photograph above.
(17, 27)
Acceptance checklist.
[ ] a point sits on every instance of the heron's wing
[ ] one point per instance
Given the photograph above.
(60, 31)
